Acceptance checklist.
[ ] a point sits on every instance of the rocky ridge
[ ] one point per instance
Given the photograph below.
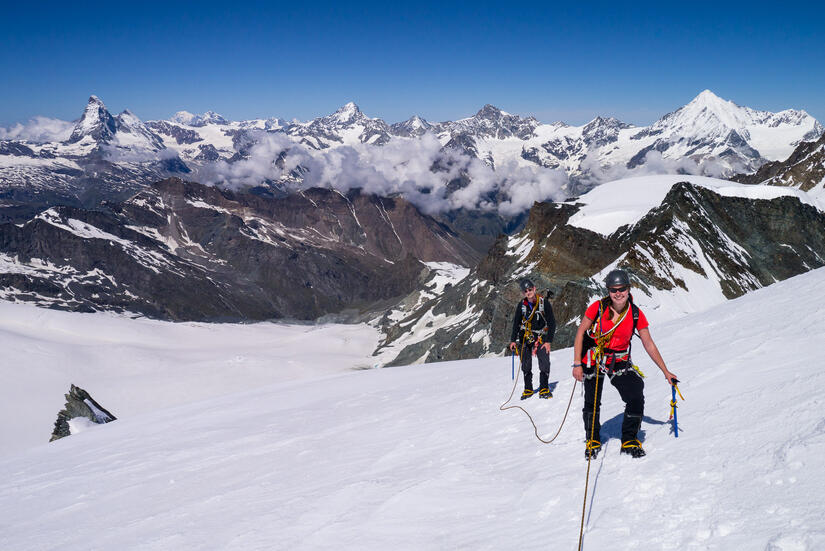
(696, 245)
(183, 251)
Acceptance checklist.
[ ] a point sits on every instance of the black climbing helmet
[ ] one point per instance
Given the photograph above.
(617, 278)
(525, 284)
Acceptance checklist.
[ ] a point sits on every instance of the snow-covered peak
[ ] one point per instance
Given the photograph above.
(96, 122)
(414, 126)
(127, 118)
(707, 110)
(417, 122)
(610, 122)
(183, 117)
(708, 98)
(346, 115)
(189, 119)
(132, 133)
(210, 117)
(492, 122)
(491, 112)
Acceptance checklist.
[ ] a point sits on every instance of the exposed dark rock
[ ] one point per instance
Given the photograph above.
(602, 131)
(15, 149)
(208, 153)
(181, 135)
(464, 143)
(79, 406)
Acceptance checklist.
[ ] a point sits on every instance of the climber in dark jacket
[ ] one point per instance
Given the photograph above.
(533, 329)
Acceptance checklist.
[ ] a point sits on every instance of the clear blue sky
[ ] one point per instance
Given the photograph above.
(439, 60)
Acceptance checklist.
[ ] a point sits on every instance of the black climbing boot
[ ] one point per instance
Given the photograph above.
(527, 393)
(633, 448)
(591, 449)
(544, 392)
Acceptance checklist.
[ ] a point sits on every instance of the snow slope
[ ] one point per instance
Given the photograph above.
(614, 204)
(421, 458)
(132, 366)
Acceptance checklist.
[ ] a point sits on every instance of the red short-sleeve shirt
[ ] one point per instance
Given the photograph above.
(620, 339)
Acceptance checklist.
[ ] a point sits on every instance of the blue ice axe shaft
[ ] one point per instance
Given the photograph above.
(675, 423)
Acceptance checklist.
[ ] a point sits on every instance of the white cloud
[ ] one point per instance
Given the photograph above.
(400, 167)
(39, 130)
(654, 164)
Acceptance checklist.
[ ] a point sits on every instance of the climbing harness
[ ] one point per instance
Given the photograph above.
(533, 336)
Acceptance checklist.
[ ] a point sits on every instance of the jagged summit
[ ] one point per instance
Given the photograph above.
(414, 126)
(347, 114)
(708, 107)
(491, 112)
(492, 122)
(611, 122)
(96, 122)
(349, 107)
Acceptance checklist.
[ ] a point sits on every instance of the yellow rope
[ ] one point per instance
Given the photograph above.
(596, 356)
(589, 445)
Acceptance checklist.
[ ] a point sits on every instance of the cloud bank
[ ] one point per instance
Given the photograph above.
(432, 178)
(654, 163)
(39, 130)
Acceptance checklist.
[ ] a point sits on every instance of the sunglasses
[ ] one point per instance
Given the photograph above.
(618, 289)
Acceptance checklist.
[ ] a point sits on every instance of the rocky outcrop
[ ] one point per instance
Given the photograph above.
(80, 411)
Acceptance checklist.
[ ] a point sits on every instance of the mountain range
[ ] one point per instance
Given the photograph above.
(111, 157)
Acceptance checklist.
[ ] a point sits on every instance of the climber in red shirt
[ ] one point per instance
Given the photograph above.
(619, 318)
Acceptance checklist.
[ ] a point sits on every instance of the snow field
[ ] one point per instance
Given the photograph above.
(133, 366)
(421, 457)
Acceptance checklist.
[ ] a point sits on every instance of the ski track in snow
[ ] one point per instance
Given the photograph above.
(421, 457)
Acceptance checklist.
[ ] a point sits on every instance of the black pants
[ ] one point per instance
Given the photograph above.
(527, 366)
(631, 388)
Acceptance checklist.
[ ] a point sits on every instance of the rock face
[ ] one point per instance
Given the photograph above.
(184, 251)
(80, 411)
(694, 240)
